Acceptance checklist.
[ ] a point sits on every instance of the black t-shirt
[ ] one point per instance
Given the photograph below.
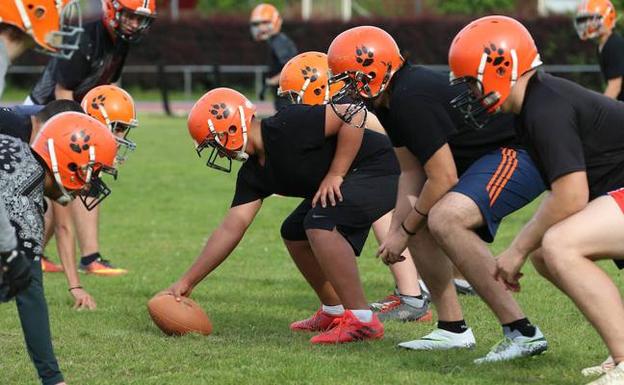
(281, 50)
(99, 60)
(15, 121)
(568, 128)
(298, 156)
(422, 119)
(612, 59)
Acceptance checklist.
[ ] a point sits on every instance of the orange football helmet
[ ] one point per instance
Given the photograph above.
(114, 107)
(55, 25)
(114, 11)
(220, 120)
(593, 18)
(265, 21)
(364, 58)
(305, 79)
(76, 148)
(489, 55)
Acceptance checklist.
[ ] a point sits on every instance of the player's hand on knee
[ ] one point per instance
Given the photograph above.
(329, 190)
(83, 300)
(16, 272)
(391, 249)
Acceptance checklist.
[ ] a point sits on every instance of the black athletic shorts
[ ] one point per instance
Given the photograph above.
(365, 199)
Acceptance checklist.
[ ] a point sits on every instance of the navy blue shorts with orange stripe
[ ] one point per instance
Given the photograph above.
(501, 182)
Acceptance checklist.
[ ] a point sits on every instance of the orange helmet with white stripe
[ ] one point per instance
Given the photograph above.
(594, 18)
(489, 55)
(76, 148)
(220, 120)
(305, 79)
(54, 25)
(129, 19)
(113, 107)
(265, 21)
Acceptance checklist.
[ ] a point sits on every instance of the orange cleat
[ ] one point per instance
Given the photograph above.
(349, 329)
(319, 322)
(101, 267)
(48, 266)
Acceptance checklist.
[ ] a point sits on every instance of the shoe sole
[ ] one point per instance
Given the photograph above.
(534, 353)
(379, 337)
(466, 347)
(103, 274)
(427, 317)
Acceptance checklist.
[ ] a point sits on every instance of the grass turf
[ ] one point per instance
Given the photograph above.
(163, 207)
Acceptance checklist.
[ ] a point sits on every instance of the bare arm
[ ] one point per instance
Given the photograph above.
(411, 182)
(65, 244)
(373, 124)
(441, 177)
(348, 144)
(614, 87)
(63, 93)
(221, 243)
(273, 80)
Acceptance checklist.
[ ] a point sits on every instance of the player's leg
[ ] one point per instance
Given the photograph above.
(407, 302)
(436, 270)
(86, 224)
(33, 313)
(295, 239)
(492, 188)
(569, 251)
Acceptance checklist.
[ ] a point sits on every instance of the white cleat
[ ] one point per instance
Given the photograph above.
(517, 346)
(441, 339)
(614, 376)
(606, 366)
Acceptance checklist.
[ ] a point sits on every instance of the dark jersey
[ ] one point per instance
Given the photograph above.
(421, 119)
(99, 60)
(568, 128)
(298, 156)
(281, 50)
(21, 190)
(611, 59)
(15, 121)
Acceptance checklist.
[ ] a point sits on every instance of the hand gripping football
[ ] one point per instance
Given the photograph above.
(178, 318)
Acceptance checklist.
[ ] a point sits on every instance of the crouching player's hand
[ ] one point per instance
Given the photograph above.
(82, 299)
(178, 290)
(15, 274)
(391, 249)
(329, 190)
(508, 265)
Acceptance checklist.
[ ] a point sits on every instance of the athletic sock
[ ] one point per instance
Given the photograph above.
(413, 300)
(87, 259)
(363, 315)
(333, 309)
(522, 325)
(453, 326)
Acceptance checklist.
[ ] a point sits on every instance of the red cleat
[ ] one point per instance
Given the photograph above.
(349, 329)
(48, 266)
(319, 322)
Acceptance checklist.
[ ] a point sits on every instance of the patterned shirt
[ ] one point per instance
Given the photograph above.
(21, 190)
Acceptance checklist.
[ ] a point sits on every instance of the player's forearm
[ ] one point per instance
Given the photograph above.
(8, 241)
(551, 211)
(65, 244)
(63, 93)
(613, 89)
(347, 147)
(407, 192)
(273, 80)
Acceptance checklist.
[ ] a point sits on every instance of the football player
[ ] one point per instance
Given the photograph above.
(308, 152)
(305, 80)
(99, 60)
(68, 154)
(466, 181)
(54, 26)
(595, 20)
(575, 137)
(266, 25)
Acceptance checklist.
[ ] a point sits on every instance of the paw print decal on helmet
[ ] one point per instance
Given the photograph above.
(312, 73)
(364, 56)
(79, 142)
(220, 111)
(98, 101)
(496, 57)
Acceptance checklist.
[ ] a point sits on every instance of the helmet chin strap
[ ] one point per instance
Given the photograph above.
(65, 197)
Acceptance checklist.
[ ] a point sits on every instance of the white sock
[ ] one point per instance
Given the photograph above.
(333, 310)
(363, 315)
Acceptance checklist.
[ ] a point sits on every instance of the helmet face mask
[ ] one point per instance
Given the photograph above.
(351, 96)
(588, 26)
(129, 19)
(594, 18)
(474, 106)
(67, 38)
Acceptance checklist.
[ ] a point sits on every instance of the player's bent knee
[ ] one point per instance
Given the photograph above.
(440, 219)
(292, 231)
(556, 249)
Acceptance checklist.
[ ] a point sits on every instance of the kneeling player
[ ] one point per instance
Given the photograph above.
(297, 152)
(576, 139)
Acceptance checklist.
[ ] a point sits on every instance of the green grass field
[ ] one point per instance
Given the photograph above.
(163, 207)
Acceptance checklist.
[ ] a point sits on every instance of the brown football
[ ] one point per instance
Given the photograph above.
(178, 318)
